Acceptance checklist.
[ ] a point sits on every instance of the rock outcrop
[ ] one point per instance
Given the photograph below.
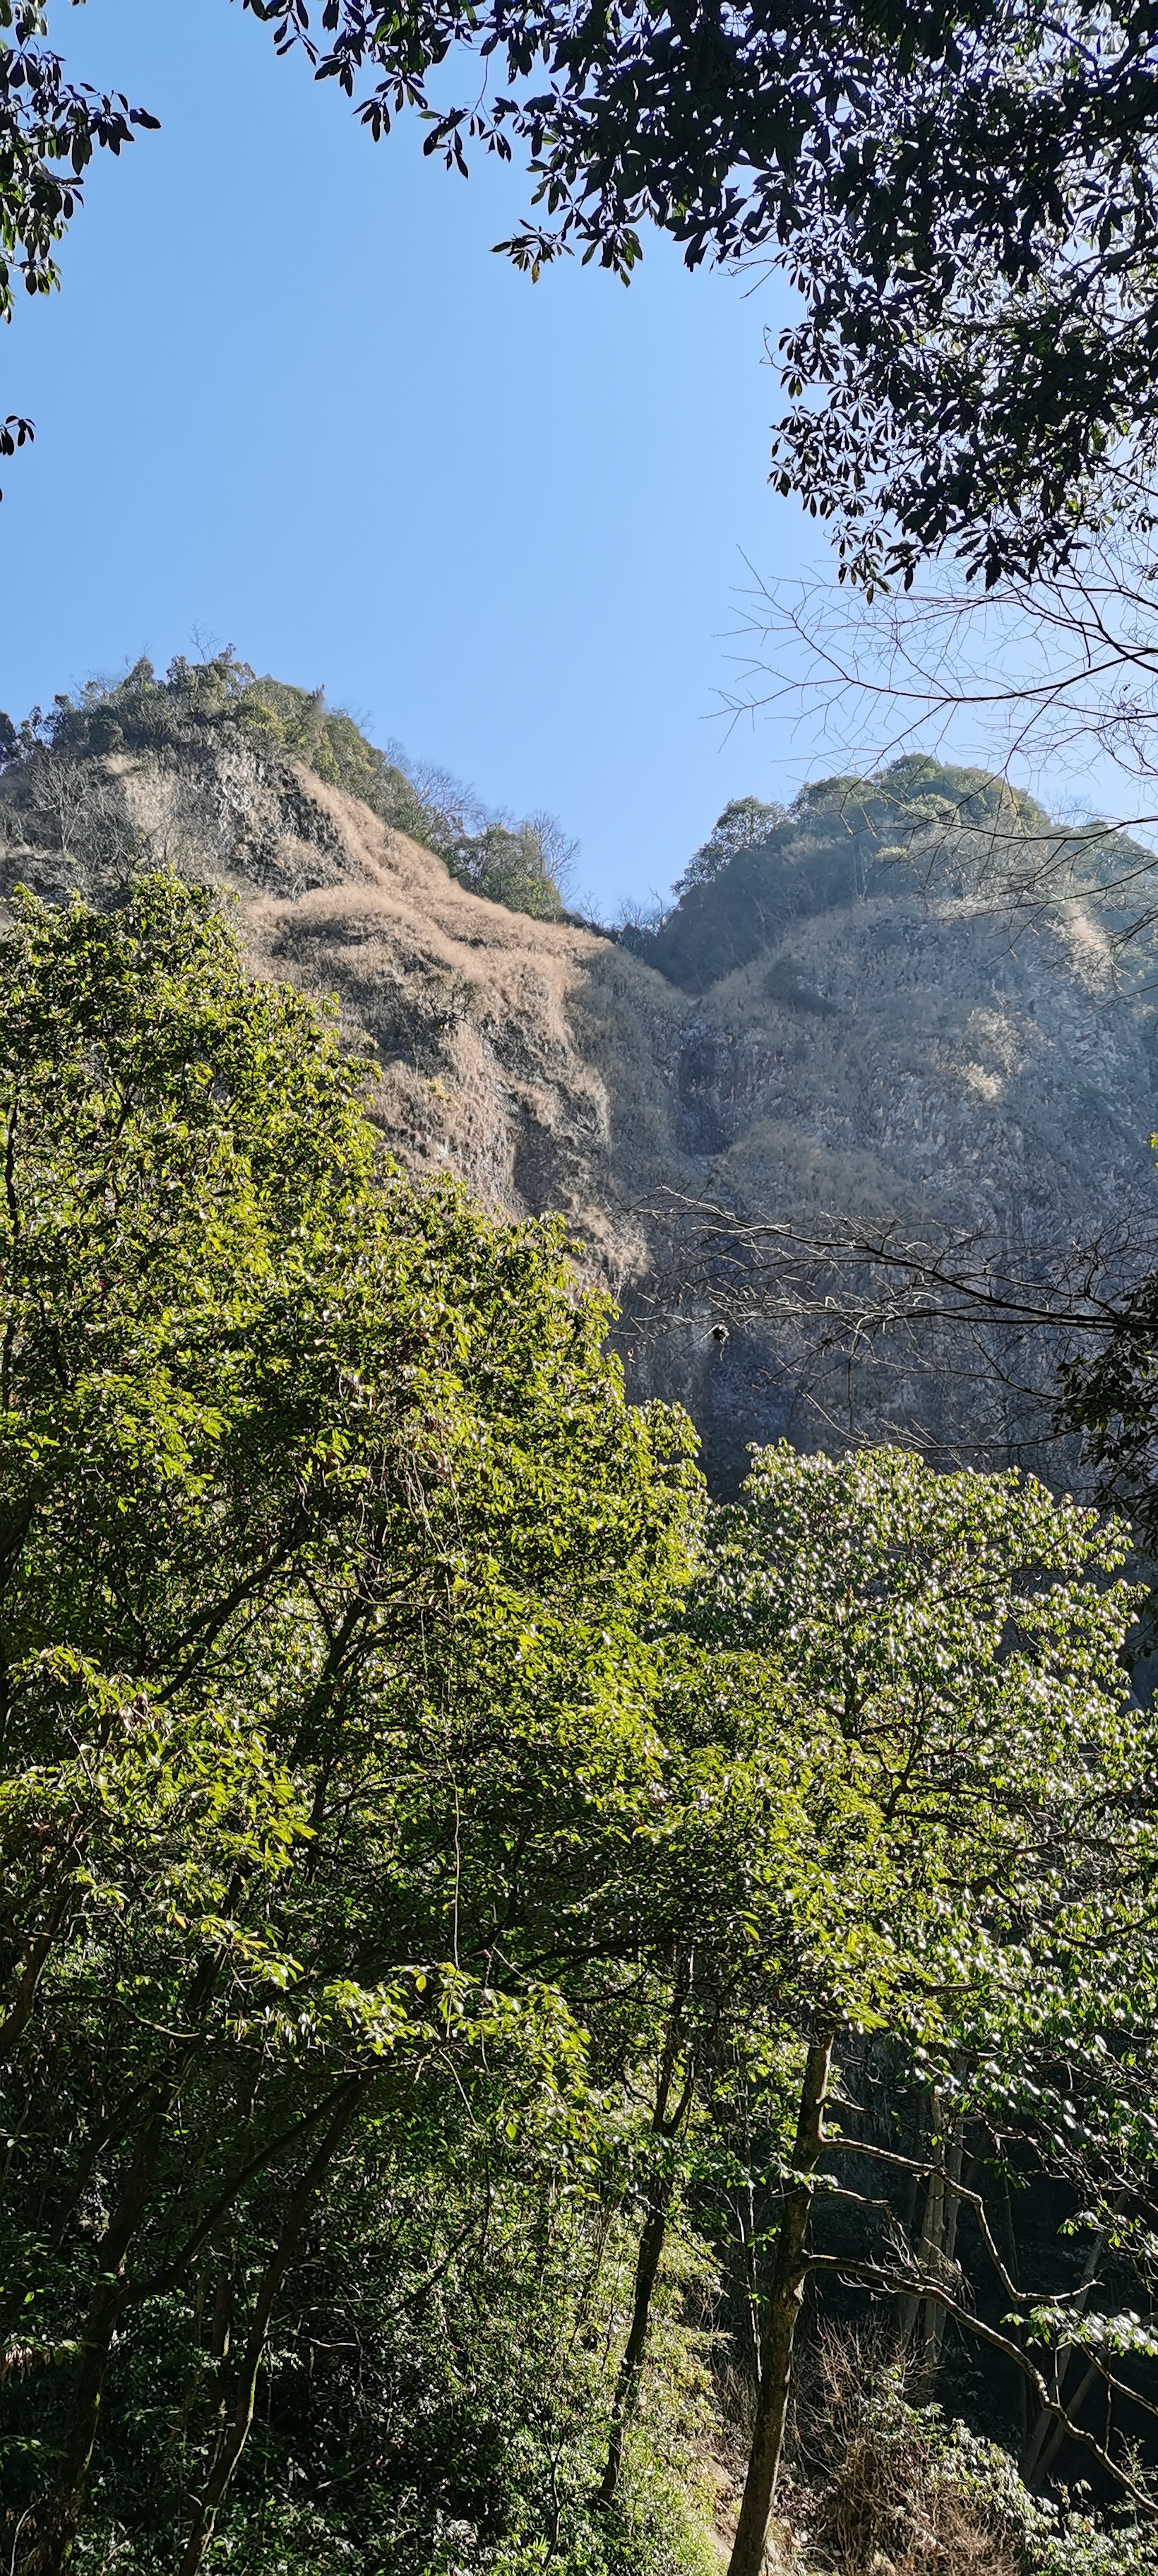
(904, 1058)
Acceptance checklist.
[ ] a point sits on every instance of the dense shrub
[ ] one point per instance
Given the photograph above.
(884, 2485)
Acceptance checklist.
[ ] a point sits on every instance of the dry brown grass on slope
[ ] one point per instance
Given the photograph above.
(528, 1057)
(897, 1061)
(881, 2495)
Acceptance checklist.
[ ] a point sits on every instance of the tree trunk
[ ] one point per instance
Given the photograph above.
(53, 2526)
(781, 2313)
(1047, 2436)
(627, 2382)
(1045, 2457)
(651, 2242)
(935, 2315)
(935, 2250)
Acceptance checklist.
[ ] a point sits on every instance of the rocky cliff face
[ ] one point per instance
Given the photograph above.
(900, 1058)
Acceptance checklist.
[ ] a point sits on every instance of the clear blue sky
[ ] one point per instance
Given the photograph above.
(288, 399)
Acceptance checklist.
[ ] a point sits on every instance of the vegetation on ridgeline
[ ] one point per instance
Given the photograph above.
(920, 825)
(486, 1940)
(523, 865)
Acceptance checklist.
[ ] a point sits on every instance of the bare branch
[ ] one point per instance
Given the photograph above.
(916, 2285)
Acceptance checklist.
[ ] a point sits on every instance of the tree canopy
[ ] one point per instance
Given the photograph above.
(918, 824)
(966, 202)
(324, 1585)
(448, 1871)
(949, 1647)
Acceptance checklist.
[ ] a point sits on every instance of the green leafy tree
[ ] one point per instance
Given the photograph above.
(899, 1752)
(743, 823)
(329, 1547)
(507, 867)
(948, 1648)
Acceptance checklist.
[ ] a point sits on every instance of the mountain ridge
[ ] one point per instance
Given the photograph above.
(911, 1056)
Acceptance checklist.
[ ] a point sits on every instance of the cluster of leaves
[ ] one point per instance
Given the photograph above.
(918, 826)
(516, 864)
(49, 128)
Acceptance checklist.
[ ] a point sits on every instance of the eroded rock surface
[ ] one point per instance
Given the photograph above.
(897, 1059)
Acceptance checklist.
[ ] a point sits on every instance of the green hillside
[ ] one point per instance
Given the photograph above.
(916, 826)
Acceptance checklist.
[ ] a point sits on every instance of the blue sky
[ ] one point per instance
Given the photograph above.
(288, 399)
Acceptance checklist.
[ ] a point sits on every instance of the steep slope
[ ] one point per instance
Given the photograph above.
(527, 1056)
(903, 1053)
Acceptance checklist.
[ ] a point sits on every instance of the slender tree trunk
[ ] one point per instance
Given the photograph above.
(36, 1959)
(51, 2528)
(218, 2350)
(651, 2242)
(748, 2246)
(935, 2252)
(913, 2186)
(1046, 2439)
(236, 2433)
(935, 2249)
(780, 2317)
(910, 2307)
(647, 2265)
(1057, 2432)
(935, 2316)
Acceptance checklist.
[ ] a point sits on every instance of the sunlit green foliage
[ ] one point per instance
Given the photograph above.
(328, 1537)
(977, 1797)
(438, 1854)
